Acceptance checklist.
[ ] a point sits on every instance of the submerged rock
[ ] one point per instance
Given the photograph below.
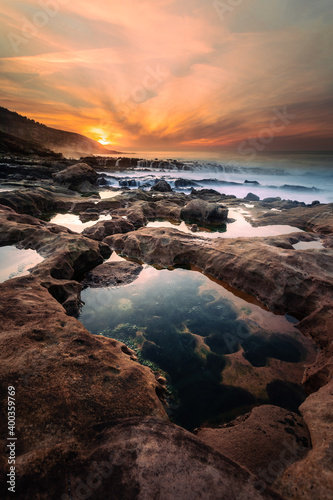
(112, 274)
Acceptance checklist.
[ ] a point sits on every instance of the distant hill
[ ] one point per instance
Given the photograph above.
(9, 144)
(68, 143)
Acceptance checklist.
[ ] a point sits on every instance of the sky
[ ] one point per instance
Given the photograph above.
(203, 75)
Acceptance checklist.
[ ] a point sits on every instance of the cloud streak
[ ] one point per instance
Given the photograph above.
(170, 74)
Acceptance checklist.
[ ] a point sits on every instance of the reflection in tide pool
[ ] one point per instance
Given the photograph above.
(17, 262)
(240, 228)
(74, 222)
(220, 354)
(108, 193)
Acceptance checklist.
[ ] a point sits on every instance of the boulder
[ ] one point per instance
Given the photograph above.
(252, 197)
(113, 274)
(271, 199)
(162, 187)
(77, 177)
(203, 211)
(105, 228)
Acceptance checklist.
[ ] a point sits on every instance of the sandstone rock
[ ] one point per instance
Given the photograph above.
(251, 197)
(112, 274)
(69, 384)
(105, 228)
(68, 255)
(200, 210)
(76, 176)
(312, 477)
(162, 187)
(317, 218)
(265, 441)
(298, 283)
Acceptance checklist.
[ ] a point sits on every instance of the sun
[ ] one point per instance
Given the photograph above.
(104, 142)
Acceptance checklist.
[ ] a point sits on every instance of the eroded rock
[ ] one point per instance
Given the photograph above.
(203, 211)
(112, 274)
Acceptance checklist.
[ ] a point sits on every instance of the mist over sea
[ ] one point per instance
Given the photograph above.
(293, 176)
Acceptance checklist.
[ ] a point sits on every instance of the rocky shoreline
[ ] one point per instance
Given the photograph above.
(91, 419)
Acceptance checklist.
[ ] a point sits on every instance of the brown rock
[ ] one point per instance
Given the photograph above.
(264, 441)
(105, 228)
(202, 211)
(112, 274)
(76, 176)
(298, 283)
(312, 477)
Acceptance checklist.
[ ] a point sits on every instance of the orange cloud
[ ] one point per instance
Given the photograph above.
(169, 74)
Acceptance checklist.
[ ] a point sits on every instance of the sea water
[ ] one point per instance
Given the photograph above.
(221, 353)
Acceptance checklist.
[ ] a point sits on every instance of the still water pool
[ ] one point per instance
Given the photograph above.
(16, 262)
(220, 353)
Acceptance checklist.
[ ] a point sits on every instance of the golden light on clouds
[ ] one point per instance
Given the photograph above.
(170, 74)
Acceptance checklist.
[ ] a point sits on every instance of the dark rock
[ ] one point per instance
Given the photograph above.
(194, 228)
(271, 200)
(251, 197)
(315, 202)
(251, 182)
(182, 183)
(76, 177)
(162, 187)
(200, 210)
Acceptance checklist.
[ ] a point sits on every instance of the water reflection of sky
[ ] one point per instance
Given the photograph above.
(239, 228)
(218, 351)
(16, 262)
(74, 223)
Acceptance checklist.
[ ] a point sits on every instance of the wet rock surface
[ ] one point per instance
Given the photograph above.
(74, 387)
(203, 211)
(264, 441)
(112, 274)
(78, 177)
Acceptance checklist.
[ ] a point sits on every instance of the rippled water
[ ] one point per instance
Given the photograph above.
(221, 354)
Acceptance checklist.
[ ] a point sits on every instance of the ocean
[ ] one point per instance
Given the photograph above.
(293, 176)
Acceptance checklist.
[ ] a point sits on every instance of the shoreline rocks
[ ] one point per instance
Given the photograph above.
(83, 396)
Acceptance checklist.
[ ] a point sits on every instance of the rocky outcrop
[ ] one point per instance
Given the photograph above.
(294, 282)
(203, 211)
(79, 177)
(313, 476)
(105, 228)
(265, 441)
(113, 274)
(69, 386)
(251, 197)
(68, 256)
(162, 187)
(317, 218)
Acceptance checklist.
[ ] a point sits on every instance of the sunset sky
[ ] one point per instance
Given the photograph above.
(173, 74)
